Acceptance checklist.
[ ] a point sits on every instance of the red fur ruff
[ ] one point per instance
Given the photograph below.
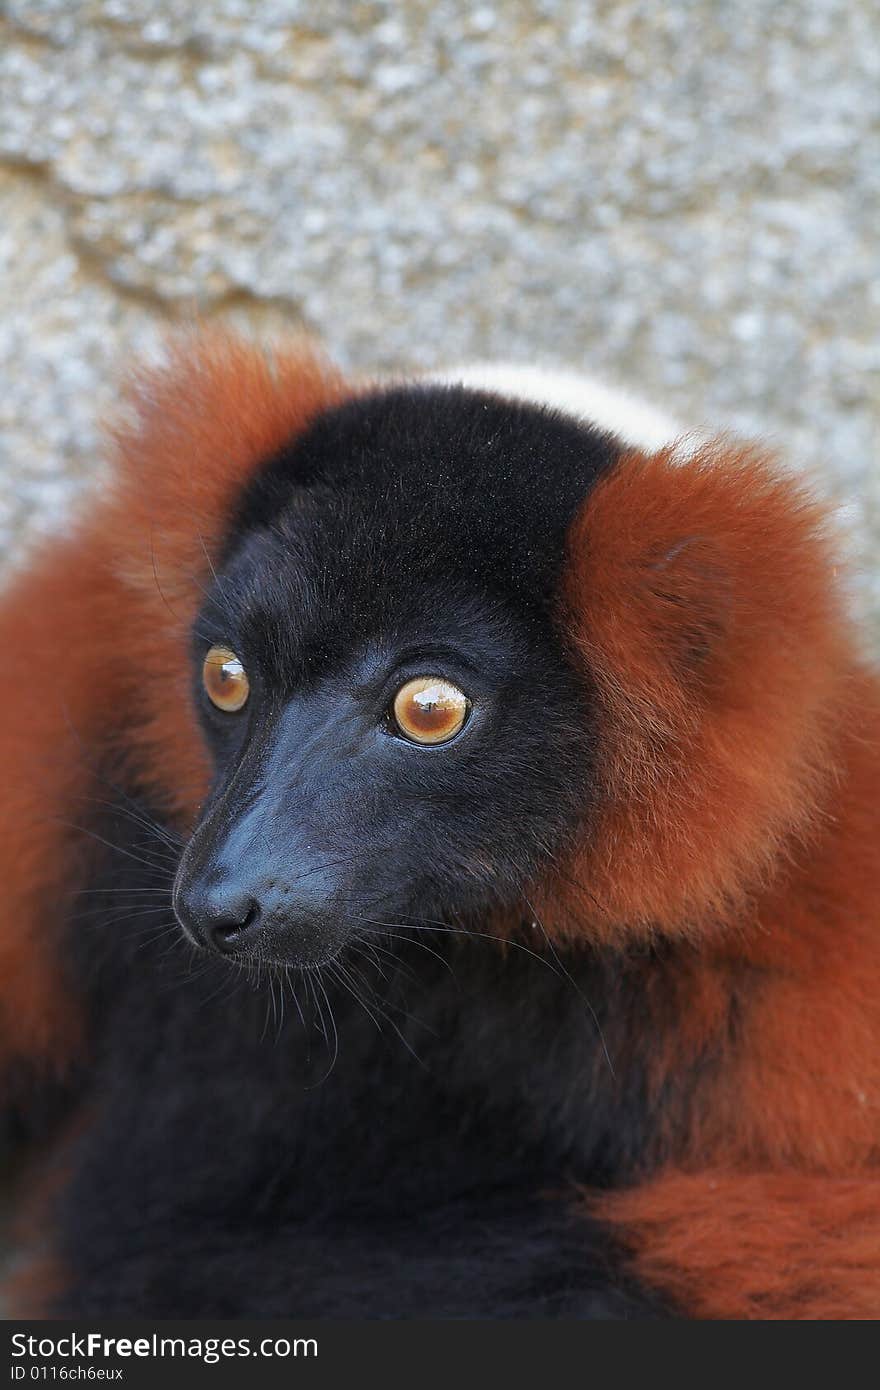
(95, 639)
(738, 807)
(739, 812)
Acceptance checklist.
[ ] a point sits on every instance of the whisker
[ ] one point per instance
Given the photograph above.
(320, 985)
(336, 972)
(158, 893)
(429, 925)
(422, 946)
(153, 865)
(406, 1043)
(567, 973)
(292, 983)
(135, 814)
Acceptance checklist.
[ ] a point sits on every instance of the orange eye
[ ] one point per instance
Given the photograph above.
(430, 709)
(225, 680)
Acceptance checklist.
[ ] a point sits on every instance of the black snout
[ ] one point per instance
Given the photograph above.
(259, 917)
(260, 880)
(221, 919)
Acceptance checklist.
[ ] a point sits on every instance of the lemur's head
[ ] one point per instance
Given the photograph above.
(460, 659)
(397, 727)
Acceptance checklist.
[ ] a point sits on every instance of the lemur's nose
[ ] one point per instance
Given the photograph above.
(229, 925)
(220, 918)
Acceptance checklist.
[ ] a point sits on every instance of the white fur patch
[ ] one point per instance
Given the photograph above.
(606, 407)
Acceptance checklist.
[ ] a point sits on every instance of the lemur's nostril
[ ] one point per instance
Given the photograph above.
(227, 931)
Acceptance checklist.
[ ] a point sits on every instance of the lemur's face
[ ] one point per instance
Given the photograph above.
(397, 732)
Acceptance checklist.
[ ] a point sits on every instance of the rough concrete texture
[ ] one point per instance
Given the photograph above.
(682, 196)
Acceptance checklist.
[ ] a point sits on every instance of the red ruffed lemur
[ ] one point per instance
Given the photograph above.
(440, 862)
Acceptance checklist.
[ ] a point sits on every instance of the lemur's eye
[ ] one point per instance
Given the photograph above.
(430, 709)
(225, 680)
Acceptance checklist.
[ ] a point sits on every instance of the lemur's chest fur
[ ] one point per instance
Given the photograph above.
(426, 1065)
(417, 1147)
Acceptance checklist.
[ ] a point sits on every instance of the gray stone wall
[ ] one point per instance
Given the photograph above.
(684, 196)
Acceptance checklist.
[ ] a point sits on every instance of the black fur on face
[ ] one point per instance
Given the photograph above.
(414, 532)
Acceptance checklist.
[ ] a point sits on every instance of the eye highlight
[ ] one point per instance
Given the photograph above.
(225, 680)
(430, 710)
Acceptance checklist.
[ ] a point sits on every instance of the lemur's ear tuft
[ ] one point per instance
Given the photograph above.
(191, 432)
(700, 597)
